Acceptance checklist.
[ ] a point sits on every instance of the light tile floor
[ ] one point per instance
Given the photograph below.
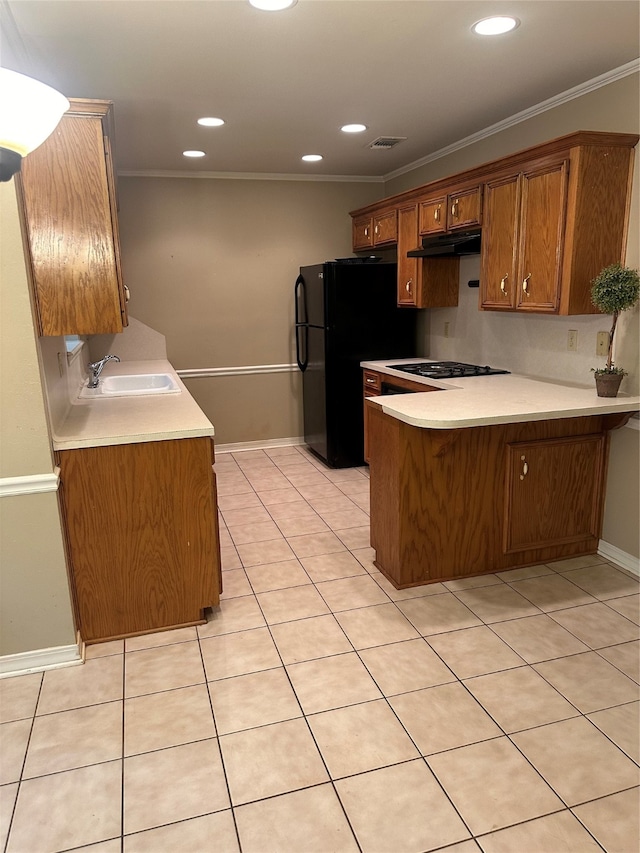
(320, 709)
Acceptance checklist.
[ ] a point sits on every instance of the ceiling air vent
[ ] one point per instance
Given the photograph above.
(384, 143)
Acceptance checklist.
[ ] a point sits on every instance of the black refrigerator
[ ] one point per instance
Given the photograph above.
(345, 312)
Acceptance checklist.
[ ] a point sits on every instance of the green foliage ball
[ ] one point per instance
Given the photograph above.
(615, 288)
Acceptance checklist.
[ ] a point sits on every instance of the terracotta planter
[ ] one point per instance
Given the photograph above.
(607, 384)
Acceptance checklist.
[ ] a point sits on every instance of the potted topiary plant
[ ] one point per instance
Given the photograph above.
(614, 289)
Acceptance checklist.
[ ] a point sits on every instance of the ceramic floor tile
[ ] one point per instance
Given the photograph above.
(173, 784)
(314, 544)
(417, 817)
(552, 592)
(100, 650)
(394, 594)
(170, 718)
(237, 614)
(538, 638)
(625, 657)
(376, 626)
(355, 537)
(165, 668)
(81, 807)
(588, 682)
(597, 625)
(576, 563)
(160, 638)
(244, 501)
(560, 833)
(8, 794)
(526, 572)
(279, 496)
(427, 715)
(249, 701)
(621, 725)
(294, 528)
(244, 534)
(474, 651)
(297, 602)
(497, 603)
(76, 738)
(235, 584)
(402, 667)
(332, 682)
(520, 699)
(277, 576)
(292, 509)
(239, 653)
(271, 760)
(603, 581)
(242, 517)
(614, 821)
(91, 683)
(488, 800)
(14, 738)
(566, 753)
(365, 556)
(341, 520)
(350, 593)
(329, 567)
(436, 614)
(273, 551)
(188, 836)
(629, 607)
(332, 505)
(112, 845)
(360, 738)
(471, 583)
(307, 639)
(310, 820)
(229, 558)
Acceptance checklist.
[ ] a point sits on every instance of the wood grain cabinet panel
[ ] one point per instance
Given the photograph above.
(423, 282)
(143, 535)
(68, 202)
(362, 233)
(433, 216)
(464, 209)
(385, 228)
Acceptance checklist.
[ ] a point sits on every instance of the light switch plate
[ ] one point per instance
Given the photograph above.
(602, 343)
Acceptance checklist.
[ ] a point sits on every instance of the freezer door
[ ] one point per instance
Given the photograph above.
(314, 294)
(314, 393)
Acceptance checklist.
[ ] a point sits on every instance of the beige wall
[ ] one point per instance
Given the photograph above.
(211, 265)
(35, 609)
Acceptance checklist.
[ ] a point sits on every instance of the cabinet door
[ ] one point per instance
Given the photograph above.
(385, 229)
(67, 196)
(362, 233)
(464, 209)
(499, 243)
(553, 493)
(433, 216)
(542, 218)
(409, 269)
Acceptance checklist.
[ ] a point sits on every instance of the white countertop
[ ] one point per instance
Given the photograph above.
(128, 420)
(498, 399)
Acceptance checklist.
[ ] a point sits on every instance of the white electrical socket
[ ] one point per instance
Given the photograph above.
(446, 329)
(602, 343)
(572, 340)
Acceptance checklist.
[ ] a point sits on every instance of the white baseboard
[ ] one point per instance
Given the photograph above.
(259, 445)
(619, 557)
(39, 660)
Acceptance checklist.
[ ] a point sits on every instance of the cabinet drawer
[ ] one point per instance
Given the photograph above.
(371, 382)
(433, 216)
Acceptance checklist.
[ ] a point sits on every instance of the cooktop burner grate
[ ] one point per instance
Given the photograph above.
(446, 369)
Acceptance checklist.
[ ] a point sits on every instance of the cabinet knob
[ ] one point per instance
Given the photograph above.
(503, 283)
(525, 285)
(525, 467)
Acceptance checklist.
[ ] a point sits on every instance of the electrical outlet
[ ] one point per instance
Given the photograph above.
(446, 329)
(572, 340)
(602, 343)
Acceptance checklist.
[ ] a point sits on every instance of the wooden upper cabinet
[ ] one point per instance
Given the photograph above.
(385, 228)
(423, 282)
(433, 216)
(523, 238)
(464, 209)
(67, 194)
(362, 228)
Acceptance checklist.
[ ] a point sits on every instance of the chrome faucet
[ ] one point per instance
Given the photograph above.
(95, 369)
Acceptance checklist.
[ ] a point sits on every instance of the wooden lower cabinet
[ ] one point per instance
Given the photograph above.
(142, 531)
(453, 503)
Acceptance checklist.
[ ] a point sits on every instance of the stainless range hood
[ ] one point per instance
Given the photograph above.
(448, 245)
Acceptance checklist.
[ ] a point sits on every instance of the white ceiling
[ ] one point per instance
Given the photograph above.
(285, 82)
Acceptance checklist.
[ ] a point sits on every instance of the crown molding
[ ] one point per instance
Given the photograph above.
(253, 176)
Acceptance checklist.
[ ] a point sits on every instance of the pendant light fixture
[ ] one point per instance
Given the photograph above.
(29, 113)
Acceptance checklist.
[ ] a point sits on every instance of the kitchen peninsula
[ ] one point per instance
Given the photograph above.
(139, 508)
(497, 472)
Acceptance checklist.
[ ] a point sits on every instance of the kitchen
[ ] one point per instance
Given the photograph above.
(164, 217)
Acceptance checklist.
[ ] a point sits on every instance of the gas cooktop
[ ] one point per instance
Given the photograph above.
(446, 369)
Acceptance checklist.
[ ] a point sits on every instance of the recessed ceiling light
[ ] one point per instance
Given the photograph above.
(193, 154)
(495, 26)
(353, 128)
(273, 5)
(312, 158)
(209, 121)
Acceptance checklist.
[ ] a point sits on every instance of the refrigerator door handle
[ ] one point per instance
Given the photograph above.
(300, 301)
